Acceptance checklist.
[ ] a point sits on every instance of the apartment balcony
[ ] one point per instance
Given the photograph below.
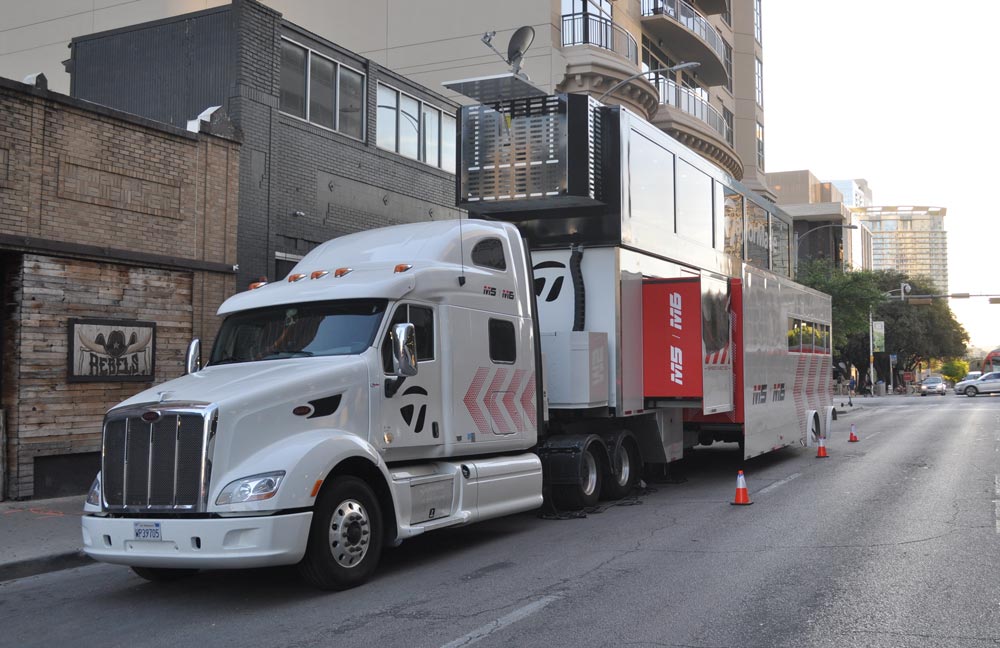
(599, 54)
(688, 36)
(697, 124)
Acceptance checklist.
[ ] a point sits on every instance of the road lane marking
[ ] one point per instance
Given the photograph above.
(996, 502)
(482, 632)
(780, 482)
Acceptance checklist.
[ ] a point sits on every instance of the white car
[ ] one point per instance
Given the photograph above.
(933, 385)
(985, 384)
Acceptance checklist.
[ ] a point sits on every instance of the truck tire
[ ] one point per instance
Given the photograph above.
(345, 539)
(587, 490)
(626, 467)
(163, 574)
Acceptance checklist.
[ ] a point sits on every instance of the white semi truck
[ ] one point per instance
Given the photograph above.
(618, 301)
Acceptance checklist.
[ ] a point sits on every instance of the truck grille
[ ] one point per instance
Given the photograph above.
(154, 465)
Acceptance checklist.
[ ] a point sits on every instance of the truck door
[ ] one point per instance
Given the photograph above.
(412, 416)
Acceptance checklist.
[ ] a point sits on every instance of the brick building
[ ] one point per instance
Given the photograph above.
(332, 142)
(117, 245)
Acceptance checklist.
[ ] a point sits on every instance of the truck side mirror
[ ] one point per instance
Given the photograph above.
(193, 362)
(404, 350)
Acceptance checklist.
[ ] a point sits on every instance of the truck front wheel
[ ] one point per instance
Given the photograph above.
(345, 540)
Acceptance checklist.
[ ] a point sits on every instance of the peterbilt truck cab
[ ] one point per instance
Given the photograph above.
(386, 387)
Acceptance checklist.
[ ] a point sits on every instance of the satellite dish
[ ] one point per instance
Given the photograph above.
(518, 46)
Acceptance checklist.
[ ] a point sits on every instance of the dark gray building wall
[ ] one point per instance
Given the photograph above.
(336, 184)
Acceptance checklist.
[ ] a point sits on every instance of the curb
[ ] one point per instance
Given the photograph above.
(45, 564)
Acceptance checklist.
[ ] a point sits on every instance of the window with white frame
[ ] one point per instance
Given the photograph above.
(760, 146)
(757, 29)
(759, 80)
(415, 129)
(321, 90)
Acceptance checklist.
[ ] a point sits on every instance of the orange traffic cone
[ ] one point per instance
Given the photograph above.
(854, 437)
(821, 450)
(742, 496)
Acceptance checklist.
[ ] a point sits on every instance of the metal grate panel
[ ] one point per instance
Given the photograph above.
(154, 465)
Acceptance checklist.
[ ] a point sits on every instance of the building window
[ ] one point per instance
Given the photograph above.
(293, 79)
(727, 15)
(417, 130)
(727, 116)
(322, 91)
(760, 146)
(757, 30)
(729, 66)
(759, 81)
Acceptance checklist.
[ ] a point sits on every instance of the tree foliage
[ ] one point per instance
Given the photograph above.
(954, 369)
(915, 333)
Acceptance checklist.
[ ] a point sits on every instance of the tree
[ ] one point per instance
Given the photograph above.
(915, 333)
(954, 370)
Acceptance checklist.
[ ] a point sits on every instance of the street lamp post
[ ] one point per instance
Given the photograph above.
(903, 290)
(689, 65)
(810, 231)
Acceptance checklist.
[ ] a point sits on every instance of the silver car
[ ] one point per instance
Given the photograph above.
(933, 385)
(985, 384)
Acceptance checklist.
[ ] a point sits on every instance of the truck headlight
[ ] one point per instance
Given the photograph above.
(251, 489)
(94, 496)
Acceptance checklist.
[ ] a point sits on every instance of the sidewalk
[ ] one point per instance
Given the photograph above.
(38, 536)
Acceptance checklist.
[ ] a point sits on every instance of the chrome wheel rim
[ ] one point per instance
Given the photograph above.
(350, 533)
(589, 480)
(624, 466)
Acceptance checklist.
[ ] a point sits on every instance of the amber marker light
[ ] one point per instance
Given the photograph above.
(340, 272)
(319, 274)
(402, 267)
(319, 482)
(298, 276)
(257, 284)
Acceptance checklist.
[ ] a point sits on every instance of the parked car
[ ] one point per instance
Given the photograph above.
(933, 385)
(985, 384)
(969, 377)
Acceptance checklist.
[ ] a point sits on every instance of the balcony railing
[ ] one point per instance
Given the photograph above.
(685, 100)
(592, 29)
(688, 16)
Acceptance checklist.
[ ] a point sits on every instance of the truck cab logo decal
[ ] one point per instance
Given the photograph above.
(557, 282)
(406, 411)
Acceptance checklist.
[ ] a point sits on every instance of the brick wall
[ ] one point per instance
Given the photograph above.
(102, 215)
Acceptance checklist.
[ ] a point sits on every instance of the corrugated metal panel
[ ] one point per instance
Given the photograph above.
(168, 71)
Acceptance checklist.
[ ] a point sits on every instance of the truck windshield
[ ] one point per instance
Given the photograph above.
(344, 327)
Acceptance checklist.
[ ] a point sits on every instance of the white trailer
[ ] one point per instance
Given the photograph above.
(611, 310)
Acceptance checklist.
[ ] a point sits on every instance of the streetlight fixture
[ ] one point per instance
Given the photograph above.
(903, 290)
(689, 65)
(799, 237)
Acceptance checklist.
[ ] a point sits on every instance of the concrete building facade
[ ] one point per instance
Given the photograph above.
(117, 245)
(333, 142)
(822, 222)
(579, 46)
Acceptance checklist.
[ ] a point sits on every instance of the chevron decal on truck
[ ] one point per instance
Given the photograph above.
(505, 404)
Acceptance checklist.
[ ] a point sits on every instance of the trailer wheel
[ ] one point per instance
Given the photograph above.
(163, 574)
(345, 539)
(626, 465)
(587, 490)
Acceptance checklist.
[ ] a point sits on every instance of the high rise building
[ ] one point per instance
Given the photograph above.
(588, 46)
(909, 239)
(824, 225)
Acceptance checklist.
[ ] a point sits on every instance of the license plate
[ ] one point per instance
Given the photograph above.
(147, 531)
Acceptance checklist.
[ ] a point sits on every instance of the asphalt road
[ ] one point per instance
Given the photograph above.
(891, 542)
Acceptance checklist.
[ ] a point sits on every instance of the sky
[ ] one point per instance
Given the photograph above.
(901, 93)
